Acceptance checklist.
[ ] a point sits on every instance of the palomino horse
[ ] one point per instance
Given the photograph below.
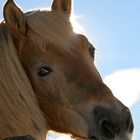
(59, 63)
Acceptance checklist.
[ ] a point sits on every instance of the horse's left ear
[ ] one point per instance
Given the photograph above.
(63, 5)
(14, 18)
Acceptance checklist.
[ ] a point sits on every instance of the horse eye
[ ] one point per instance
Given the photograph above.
(44, 71)
(92, 51)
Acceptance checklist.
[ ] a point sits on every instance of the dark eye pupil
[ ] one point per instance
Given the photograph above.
(44, 71)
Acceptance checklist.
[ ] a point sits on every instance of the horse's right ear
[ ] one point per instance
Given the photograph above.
(15, 19)
(63, 5)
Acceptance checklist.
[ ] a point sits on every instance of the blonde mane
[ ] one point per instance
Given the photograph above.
(19, 110)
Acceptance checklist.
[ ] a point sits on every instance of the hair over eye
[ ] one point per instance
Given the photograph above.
(92, 51)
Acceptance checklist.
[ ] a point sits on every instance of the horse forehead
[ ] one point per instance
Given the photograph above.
(53, 27)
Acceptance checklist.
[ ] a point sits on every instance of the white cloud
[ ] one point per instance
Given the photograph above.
(125, 85)
(1, 19)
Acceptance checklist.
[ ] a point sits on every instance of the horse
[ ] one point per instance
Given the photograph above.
(67, 93)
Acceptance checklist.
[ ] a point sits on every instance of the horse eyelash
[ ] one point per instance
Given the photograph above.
(92, 51)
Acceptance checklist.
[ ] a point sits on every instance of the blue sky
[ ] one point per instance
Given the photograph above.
(113, 26)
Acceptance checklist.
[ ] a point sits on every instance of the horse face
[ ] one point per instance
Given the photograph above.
(68, 87)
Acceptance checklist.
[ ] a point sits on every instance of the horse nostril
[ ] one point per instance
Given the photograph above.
(129, 122)
(131, 125)
(93, 138)
(107, 128)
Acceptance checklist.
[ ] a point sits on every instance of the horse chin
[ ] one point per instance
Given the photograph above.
(117, 137)
(82, 138)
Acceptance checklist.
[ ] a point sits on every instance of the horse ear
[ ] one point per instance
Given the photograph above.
(14, 18)
(63, 5)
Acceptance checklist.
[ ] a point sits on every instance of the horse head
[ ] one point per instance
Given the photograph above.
(59, 64)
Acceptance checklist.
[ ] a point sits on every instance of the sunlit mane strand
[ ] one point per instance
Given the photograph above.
(19, 111)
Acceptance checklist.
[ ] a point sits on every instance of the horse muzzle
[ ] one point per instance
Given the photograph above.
(111, 125)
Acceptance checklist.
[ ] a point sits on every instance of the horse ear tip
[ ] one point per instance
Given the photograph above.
(9, 1)
(8, 5)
